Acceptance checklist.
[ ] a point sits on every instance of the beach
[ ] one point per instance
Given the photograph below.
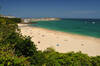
(60, 41)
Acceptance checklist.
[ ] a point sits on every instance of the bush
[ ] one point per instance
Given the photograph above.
(95, 61)
(7, 28)
(8, 58)
(24, 46)
(15, 20)
(18, 50)
(53, 58)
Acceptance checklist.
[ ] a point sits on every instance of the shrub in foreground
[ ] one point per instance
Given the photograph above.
(10, 34)
(50, 57)
(8, 58)
(18, 50)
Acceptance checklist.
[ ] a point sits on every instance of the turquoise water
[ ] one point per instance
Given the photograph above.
(88, 27)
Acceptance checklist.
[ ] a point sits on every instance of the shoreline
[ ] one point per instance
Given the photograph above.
(61, 41)
(66, 33)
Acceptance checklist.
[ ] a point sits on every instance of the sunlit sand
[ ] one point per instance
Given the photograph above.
(60, 41)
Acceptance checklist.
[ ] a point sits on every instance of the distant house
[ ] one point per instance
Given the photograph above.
(27, 20)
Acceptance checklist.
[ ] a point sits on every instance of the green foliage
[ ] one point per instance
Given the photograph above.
(52, 58)
(95, 61)
(18, 50)
(75, 59)
(15, 20)
(38, 59)
(24, 46)
(8, 58)
(7, 27)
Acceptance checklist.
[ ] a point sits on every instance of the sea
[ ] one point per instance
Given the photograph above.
(86, 27)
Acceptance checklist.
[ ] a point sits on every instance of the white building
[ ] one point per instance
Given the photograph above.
(27, 20)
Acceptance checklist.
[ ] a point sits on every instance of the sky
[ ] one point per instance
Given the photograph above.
(51, 8)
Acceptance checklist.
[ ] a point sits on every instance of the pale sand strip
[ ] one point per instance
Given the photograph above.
(60, 41)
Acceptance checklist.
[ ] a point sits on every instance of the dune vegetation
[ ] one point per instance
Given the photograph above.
(19, 50)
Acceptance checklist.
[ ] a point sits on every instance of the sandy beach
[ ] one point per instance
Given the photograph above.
(60, 41)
